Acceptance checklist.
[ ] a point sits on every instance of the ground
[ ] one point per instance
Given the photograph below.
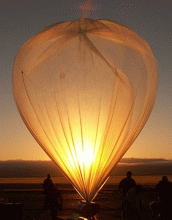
(31, 196)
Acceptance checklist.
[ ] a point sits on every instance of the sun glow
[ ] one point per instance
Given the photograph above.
(85, 156)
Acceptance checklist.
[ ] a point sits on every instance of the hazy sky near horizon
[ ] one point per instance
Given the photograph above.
(21, 20)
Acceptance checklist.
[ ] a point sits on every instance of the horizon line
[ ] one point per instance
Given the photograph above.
(134, 158)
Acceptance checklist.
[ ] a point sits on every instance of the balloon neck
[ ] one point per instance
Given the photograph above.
(87, 209)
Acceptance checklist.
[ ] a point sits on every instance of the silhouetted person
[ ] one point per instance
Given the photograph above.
(162, 208)
(53, 199)
(164, 189)
(133, 203)
(46, 185)
(124, 186)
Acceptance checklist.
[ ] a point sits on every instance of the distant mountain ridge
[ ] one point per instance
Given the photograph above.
(22, 168)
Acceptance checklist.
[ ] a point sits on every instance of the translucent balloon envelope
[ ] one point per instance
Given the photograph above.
(85, 89)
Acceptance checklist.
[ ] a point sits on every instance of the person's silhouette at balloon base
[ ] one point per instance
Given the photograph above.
(53, 198)
(124, 187)
(162, 208)
(46, 184)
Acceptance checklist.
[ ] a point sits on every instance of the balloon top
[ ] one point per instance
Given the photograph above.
(106, 29)
(86, 24)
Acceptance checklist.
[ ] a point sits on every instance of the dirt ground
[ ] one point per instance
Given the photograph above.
(31, 197)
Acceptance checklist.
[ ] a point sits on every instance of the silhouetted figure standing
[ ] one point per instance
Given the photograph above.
(164, 189)
(124, 186)
(133, 203)
(53, 198)
(48, 183)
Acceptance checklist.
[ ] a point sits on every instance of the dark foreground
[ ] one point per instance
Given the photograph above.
(31, 197)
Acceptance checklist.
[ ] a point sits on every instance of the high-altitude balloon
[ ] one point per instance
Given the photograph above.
(85, 89)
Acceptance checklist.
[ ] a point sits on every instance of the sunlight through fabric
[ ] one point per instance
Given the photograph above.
(85, 90)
